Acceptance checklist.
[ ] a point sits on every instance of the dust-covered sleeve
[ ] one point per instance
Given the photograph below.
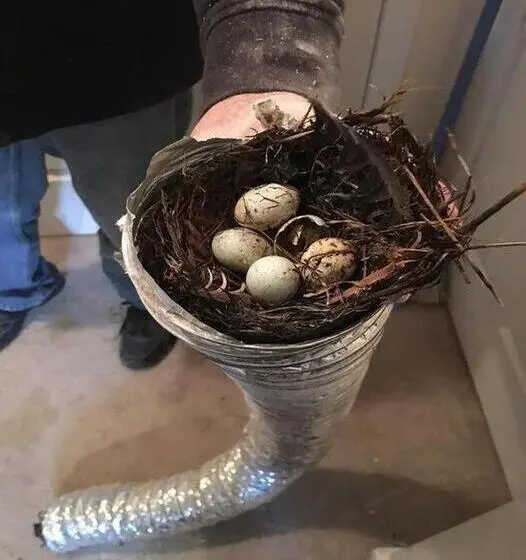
(270, 45)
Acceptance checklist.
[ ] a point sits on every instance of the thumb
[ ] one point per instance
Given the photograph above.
(235, 117)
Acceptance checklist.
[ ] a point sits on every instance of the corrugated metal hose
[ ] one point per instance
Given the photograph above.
(296, 395)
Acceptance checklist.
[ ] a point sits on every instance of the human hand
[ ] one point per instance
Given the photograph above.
(235, 117)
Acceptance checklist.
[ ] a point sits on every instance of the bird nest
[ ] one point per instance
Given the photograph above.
(364, 174)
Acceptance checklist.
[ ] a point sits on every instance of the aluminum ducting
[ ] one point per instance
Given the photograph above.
(296, 394)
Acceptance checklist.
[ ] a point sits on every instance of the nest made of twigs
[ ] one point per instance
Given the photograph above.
(363, 173)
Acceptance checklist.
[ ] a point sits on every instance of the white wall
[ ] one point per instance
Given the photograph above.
(490, 134)
(362, 21)
(422, 43)
(62, 211)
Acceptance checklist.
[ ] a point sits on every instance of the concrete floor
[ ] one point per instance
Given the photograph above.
(414, 457)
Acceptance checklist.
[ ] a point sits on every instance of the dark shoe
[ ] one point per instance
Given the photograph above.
(11, 323)
(144, 343)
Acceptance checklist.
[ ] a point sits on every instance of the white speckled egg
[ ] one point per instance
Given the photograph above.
(238, 248)
(327, 261)
(273, 280)
(267, 207)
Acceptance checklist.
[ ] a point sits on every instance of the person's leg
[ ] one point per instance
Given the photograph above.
(26, 278)
(107, 161)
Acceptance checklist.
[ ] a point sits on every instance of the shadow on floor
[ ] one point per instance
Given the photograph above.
(389, 510)
(393, 510)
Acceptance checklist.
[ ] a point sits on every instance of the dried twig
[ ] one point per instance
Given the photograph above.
(434, 211)
(496, 245)
(472, 226)
(484, 278)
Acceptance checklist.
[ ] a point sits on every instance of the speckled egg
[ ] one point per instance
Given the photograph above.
(327, 261)
(238, 248)
(273, 280)
(267, 207)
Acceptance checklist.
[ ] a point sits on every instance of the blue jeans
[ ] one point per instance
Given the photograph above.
(107, 160)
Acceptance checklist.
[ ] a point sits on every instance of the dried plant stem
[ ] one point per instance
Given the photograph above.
(485, 280)
(472, 226)
(451, 235)
(496, 245)
(434, 211)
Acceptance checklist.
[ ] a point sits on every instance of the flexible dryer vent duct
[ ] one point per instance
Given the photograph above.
(296, 395)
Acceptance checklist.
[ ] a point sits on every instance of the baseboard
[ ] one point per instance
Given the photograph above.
(500, 533)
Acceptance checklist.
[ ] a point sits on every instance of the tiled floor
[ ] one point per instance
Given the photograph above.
(413, 458)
